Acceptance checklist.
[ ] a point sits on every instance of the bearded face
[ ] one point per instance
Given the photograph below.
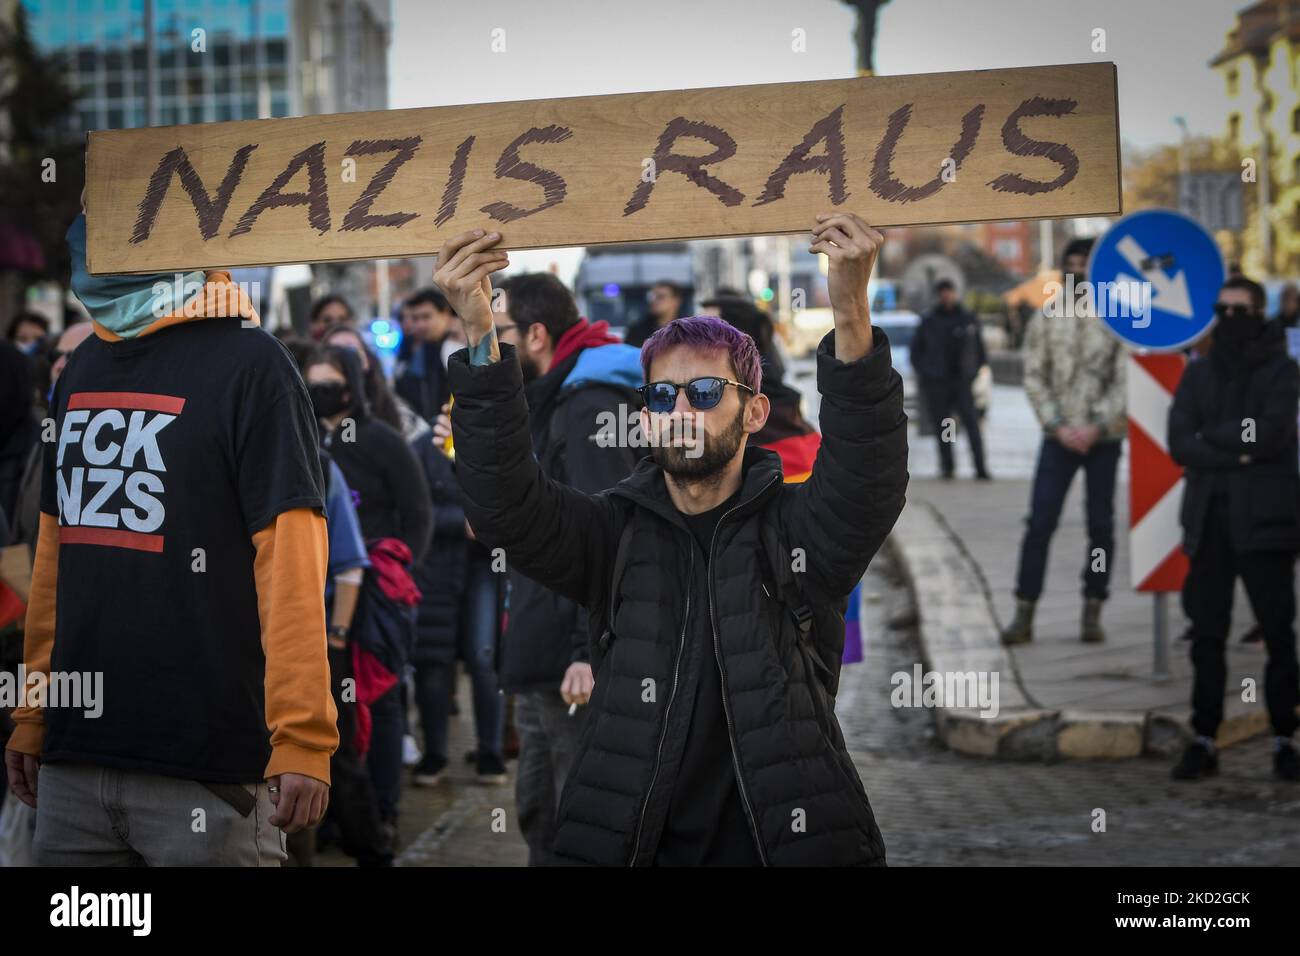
(693, 445)
(527, 365)
(690, 453)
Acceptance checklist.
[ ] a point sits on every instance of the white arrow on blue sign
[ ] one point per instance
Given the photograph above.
(1178, 267)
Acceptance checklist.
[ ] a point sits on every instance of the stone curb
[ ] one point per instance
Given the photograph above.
(959, 634)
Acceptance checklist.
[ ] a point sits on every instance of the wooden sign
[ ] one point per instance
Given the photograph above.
(1033, 142)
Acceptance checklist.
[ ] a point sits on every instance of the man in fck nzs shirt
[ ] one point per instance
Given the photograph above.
(182, 555)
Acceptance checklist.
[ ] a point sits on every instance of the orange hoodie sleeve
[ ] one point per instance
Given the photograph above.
(38, 639)
(292, 555)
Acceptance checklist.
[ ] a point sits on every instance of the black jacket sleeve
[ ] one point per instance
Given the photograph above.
(842, 514)
(1186, 445)
(554, 534)
(1274, 422)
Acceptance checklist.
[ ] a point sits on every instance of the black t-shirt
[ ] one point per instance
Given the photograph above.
(706, 824)
(173, 450)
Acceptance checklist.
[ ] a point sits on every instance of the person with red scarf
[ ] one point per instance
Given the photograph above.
(577, 373)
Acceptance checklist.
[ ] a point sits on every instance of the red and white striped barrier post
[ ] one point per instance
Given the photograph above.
(1156, 559)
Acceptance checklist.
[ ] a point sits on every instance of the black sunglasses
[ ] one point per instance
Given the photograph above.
(702, 393)
(1234, 312)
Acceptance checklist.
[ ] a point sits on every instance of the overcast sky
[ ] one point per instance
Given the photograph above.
(442, 51)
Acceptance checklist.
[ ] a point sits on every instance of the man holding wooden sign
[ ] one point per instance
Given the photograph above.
(716, 593)
(944, 147)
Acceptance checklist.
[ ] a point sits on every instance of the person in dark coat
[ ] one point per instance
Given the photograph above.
(457, 618)
(786, 431)
(419, 377)
(577, 377)
(19, 429)
(25, 522)
(715, 591)
(665, 304)
(1232, 426)
(947, 354)
(387, 481)
(392, 504)
(1288, 310)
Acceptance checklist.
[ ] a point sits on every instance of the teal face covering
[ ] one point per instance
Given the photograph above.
(126, 305)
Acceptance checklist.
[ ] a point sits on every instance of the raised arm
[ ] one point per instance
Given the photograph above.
(842, 514)
(550, 532)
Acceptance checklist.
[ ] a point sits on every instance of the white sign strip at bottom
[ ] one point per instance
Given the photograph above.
(1156, 536)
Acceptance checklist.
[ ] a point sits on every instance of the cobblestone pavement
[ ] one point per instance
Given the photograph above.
(936, 807)
(940, 808)
(460, 822)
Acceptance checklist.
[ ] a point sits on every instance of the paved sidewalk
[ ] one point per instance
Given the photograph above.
(936, 806)
(1070, 698)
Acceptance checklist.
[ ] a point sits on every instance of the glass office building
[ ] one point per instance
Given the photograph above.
(215, 60)
(253, 59)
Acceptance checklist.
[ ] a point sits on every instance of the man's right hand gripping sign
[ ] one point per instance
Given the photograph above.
(715, 591)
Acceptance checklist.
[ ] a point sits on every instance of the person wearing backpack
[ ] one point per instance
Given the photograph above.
(715, 591)
(575, 372)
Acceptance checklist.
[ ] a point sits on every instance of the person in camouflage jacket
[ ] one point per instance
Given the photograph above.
(1075, 380)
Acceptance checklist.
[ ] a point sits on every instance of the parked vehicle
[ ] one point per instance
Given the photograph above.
(901, 325)
(613, 282)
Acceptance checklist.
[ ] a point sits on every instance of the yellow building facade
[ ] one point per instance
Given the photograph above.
(1260, 68)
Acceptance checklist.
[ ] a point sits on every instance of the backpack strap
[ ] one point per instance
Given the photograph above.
(776, 558)
(789, 592)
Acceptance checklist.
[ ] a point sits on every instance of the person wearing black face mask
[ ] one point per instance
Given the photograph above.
(374, 457)
(396, 516)
(1232, 426)
(329, 399)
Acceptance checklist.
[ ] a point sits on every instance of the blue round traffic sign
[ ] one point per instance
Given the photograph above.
(1155, 276)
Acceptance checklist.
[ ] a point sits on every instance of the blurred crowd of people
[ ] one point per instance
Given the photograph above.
(412, 599)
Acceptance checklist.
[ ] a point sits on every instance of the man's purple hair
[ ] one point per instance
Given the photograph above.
(707, 333)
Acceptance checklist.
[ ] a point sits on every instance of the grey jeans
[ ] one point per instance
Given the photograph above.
(548, 742)
(100, 816)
